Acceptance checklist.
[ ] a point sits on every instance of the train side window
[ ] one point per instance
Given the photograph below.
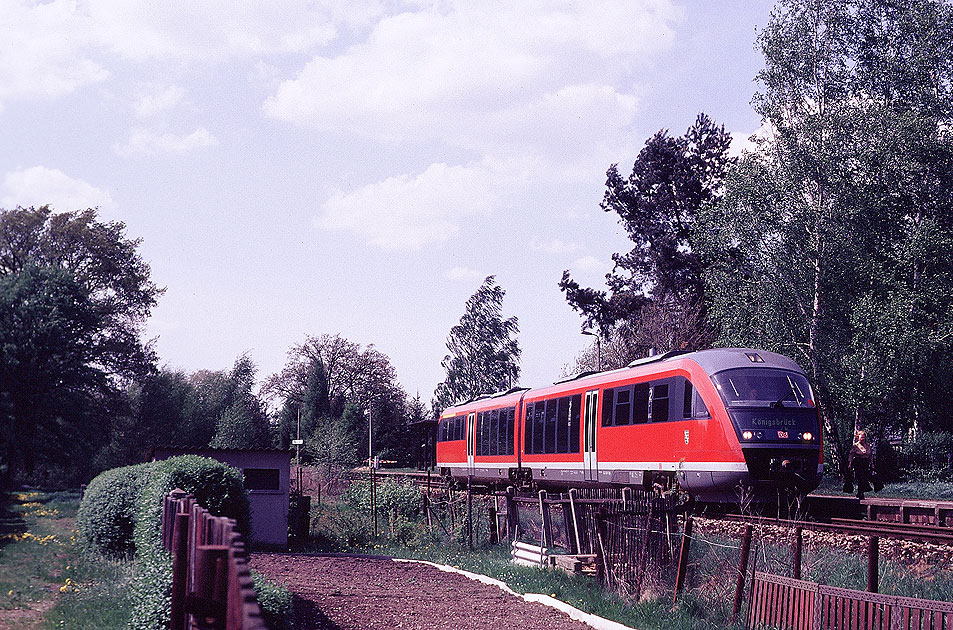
(551, 426)
(562, 423)
(687, 398)
(501, 432)
(442, 430)
(459, 430)
(659, 402)
(623, 406)
(608, 401)
(480, 428)
(640, 406)
(485, 434)
(539, 428)
(528, 437)
(510, 428)
(701, 409)
(575, 412)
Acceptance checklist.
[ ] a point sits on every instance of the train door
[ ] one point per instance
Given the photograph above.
(471, 437)
(590, 463)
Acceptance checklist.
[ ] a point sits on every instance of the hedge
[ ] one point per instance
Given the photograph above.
(121, 513)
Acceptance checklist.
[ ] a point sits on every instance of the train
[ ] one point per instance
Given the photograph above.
(723, 425)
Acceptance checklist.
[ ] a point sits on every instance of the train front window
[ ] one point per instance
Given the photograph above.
(747, 387)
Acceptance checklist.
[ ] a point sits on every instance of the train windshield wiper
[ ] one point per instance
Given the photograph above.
(779, 403)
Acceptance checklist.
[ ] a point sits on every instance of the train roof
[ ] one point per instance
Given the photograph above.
(712, 361)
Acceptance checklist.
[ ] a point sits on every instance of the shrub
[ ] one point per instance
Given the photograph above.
(217, 487)
(106, 517)
(929, 455)
(276, 603)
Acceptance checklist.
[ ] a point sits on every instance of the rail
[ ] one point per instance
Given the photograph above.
(790, 604)
(909, 532)
(211, 583)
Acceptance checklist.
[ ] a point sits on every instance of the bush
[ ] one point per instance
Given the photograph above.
(217, 487)
(122, 511)
(106, 517)
(276, 603)
(929, 455)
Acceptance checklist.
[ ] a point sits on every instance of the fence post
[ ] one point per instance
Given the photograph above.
(494, 525)
(645, 545)
(575, 520)
(873, 563)
(571, 542)
(512, 514)
(683, 557)
(180, 559)
(209, 586)
(798, 543)
(742, 569)
(547, 521)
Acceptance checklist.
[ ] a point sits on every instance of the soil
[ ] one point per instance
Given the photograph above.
(347, 593)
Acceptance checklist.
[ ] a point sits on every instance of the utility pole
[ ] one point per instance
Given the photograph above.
(370, 461)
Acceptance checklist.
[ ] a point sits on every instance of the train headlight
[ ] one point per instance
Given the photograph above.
(807, 436)
(747, 435)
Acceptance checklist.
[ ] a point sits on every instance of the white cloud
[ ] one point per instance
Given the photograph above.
(748, 143)
(38, 185)
(38, 51)
(158, 99)
(147, 142)
(473, 73)
(463, 274)
(589, 263)
(50, 49)
(555, 246)
(406, 212)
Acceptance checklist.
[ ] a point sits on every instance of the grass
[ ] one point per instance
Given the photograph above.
(46, 579)
(910, 487)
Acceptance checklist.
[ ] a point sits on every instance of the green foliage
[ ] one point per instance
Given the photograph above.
(394, 496)
(277, 605)
(657, 204)
(323, 377)
(929, 456)
(106, 516)
(74, 294)
(217, 487)
(833, 241)
(483, 350)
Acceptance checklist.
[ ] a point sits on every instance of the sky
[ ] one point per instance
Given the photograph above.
(297, 168)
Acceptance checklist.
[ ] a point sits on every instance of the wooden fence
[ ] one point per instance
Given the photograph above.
(789, 604)
(211, 583)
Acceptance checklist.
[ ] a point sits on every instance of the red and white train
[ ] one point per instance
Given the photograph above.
(715, 422)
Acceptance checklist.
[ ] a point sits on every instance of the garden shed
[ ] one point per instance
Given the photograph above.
(267, 479)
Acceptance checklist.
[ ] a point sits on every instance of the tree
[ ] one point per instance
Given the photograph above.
(671, 179)
(102, 261)
(322, 378)
(50, 394)
(75, 295)
(484, 353)
(243, 422)
(832, 243)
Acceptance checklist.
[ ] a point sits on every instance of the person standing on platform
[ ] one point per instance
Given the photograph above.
(859, 463)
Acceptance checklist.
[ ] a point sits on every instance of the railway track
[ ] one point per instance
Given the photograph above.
(903, 531)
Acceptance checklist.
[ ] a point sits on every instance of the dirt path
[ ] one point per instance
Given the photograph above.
(338, 593)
